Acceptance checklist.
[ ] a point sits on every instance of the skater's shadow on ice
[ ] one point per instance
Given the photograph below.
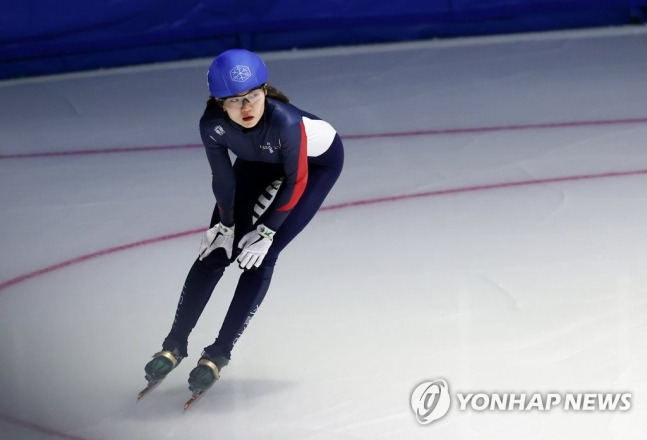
(226, 397)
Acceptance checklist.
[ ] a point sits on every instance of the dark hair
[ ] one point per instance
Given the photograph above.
(272, 92)
(275, 93)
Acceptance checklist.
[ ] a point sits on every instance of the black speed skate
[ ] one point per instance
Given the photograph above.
(204, 375)
(158, 368)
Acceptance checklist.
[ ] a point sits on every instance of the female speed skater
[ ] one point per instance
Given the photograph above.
(286, 163)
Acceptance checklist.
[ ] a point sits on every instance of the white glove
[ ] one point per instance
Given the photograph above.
(220, 236)
(254, 246)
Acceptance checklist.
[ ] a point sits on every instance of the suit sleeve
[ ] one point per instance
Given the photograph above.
(294, 150)
(223, 181)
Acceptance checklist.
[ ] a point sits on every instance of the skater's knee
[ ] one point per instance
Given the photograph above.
(265, 270)
(215, 261)
(268, 262)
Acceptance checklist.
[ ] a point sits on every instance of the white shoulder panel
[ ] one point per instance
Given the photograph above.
(320, 135)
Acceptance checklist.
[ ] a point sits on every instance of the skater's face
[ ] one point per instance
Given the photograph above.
(247, 108)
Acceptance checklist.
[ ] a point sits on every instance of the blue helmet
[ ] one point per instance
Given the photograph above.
(235, 71)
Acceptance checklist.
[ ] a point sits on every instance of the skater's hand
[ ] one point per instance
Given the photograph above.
(220, 236)
(254, 246)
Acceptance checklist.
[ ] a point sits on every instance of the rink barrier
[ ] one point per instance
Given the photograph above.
(36, 38)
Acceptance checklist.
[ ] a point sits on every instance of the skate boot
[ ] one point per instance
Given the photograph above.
(204, 375)
(162, 364)
(158, 368)
(207, 372)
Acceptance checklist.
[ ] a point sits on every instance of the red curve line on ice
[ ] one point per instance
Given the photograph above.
(549, 125)
(17, 280)
(443, 192)
(92, 256)
(35, 427)
(451, 131)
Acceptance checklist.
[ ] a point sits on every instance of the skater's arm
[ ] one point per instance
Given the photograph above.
(223, 182)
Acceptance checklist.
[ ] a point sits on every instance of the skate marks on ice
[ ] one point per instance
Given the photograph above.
(226, 396)
(161, 414)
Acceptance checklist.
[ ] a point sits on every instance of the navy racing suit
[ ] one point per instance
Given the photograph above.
(290, 149)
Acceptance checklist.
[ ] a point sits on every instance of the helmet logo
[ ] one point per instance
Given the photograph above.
(240, 73)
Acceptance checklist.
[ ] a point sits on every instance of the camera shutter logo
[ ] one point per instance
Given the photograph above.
(240, 73)
(430, 401)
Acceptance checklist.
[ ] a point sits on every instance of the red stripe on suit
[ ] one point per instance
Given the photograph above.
(302, 173)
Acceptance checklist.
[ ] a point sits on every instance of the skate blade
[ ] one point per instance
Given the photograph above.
(197, 395)
(150, 387)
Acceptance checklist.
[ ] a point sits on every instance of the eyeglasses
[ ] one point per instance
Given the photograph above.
(252, 96)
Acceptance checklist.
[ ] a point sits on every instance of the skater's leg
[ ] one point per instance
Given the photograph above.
(251, 179)
(320, 182)
(254, 284)
(199, 284)
(197, 289)
(322, 176)
(250, 291)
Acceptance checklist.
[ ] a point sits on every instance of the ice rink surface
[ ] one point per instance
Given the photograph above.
(489, 229)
